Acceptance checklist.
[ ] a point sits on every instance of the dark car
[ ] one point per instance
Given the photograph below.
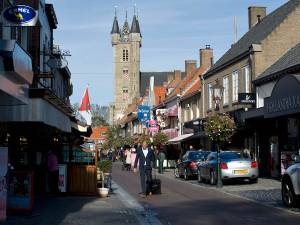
(188, 165)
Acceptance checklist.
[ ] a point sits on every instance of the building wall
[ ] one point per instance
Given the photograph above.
(228, 71)
(191, 108)
(282, 39)
(133, 66)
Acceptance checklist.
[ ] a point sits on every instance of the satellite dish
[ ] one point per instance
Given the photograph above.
(57, 63)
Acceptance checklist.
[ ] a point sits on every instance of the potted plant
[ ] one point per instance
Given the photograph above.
(105, 170)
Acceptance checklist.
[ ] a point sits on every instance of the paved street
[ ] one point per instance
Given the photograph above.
(77, 211)
(187, 203)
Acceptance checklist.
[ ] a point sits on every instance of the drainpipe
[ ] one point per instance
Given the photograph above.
(203, 96)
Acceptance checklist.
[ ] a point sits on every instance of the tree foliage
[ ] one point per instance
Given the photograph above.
(220, 128)
(160, 139)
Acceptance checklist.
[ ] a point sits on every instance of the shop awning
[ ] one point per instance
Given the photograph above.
(37, 110)
(180, 138)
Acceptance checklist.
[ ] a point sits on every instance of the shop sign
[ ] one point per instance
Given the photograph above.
(3, 185)
(283, 104)
(19, 15)
(247, 98)
(285, 97)
(162, 117)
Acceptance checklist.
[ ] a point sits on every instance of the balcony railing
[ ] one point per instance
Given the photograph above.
(44, 87)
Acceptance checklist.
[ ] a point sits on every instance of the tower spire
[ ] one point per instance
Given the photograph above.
(135, 26)
(115, 28)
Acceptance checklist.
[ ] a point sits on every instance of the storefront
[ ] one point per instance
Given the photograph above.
(276, 127)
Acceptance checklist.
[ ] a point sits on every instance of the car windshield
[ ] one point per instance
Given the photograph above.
(195, 155)
(231, 155)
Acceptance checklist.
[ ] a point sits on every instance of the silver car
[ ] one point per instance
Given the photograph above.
(233, 166)
(291, 185)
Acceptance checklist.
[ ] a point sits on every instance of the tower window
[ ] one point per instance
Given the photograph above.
(125, 74)
(125, 55)
(125, 94)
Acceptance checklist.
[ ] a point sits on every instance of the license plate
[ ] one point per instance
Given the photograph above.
(240, 172)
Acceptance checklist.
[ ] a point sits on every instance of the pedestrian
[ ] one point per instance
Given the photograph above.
(127, 159)
(161, 159)
(133, 156)
(52, 164)
(145, 158)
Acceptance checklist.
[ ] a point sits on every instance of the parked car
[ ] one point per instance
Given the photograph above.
(290, 191)
(233, 166)
(188, 165)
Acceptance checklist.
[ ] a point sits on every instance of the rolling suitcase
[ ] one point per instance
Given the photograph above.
(156, 186)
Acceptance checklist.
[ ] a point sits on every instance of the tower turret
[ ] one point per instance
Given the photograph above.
(115, 31)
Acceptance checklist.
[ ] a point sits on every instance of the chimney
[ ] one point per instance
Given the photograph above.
(255, 15)
(177, 75)
(206, 56)
(190, 65)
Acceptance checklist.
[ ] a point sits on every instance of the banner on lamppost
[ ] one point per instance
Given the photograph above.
(143, 113)
(153, 126)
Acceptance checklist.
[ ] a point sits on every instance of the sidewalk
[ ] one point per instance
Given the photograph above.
(118, 209)
(265, 191)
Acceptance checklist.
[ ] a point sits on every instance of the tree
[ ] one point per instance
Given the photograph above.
(220, 128)
(160, 139)
(99, 114)
(146, 138)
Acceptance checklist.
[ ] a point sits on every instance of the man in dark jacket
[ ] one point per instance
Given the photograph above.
(145, 158)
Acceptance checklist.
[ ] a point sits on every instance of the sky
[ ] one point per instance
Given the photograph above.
(173, 31)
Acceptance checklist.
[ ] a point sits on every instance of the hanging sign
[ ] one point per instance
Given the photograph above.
(247, 98)
(153, 126)
(19, 15)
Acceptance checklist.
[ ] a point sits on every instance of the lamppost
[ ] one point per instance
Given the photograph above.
(218, 90)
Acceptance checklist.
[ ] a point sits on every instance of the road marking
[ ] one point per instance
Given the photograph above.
(145, 217)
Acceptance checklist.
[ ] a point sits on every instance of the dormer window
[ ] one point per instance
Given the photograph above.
(125, 55)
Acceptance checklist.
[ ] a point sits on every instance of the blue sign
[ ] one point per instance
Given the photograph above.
(144, 113)
(20, 15)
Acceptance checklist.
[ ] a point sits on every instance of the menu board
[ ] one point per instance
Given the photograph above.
(3, 186)
(20, 191)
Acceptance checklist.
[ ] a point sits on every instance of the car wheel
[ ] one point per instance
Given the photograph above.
(212, 178)
(176, 172)
(185, 175)
(199, 177)
(288, 194)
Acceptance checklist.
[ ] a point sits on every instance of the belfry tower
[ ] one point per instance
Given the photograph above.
(126, 45)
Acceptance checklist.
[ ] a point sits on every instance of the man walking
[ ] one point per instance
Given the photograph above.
(145, 158)
(161, 159)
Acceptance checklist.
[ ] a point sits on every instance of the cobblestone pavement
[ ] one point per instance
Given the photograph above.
(265, 191)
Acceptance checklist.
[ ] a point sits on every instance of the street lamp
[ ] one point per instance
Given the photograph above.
(218, 90)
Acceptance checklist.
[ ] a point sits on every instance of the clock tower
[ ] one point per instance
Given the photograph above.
(126, 44)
